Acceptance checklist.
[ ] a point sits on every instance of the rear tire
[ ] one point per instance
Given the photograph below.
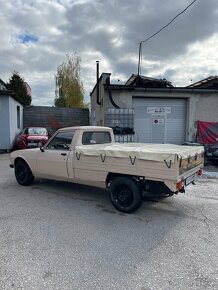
(125, 194)
(23, 173)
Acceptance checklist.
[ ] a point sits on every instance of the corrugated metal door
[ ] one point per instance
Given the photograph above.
(158, 128)
(159, 120)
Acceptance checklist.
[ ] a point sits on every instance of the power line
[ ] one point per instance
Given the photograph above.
(143, 41)
(165, 26)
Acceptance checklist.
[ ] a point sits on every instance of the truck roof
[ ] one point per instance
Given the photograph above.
(86, 128)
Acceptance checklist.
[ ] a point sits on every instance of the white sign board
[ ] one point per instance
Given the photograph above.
(159, 110)
(115, 121)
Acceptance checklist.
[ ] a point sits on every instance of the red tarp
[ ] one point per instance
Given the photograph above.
(207, 132)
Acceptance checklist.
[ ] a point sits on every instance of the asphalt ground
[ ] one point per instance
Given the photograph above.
(56, 235)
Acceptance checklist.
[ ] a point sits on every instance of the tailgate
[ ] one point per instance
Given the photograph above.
(190, 163)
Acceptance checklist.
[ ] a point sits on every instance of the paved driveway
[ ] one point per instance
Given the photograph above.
(55, 235)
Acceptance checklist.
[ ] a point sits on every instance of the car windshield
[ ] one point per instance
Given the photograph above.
(37, 131)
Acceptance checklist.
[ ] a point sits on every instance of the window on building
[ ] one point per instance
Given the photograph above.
(18, 117)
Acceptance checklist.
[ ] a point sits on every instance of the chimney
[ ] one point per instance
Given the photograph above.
(97, 82)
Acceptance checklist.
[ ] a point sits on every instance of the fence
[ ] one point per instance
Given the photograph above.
(54, 118)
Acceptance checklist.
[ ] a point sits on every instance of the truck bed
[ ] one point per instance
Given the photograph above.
(166, 162)
(145, 151)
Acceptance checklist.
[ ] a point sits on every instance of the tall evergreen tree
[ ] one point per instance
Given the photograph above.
(69, 91)
(17, 85)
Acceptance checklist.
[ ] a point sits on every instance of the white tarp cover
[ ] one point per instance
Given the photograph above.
(152, 152)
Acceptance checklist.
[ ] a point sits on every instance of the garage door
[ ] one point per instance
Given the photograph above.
(159, 120)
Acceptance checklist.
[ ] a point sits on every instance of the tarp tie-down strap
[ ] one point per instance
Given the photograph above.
(168, 164)
(132, 159)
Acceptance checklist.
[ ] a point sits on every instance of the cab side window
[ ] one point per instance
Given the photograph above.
(61, 141)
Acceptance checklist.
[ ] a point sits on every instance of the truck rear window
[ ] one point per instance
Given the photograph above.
(90, 138)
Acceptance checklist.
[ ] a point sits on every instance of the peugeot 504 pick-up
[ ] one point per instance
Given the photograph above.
(89, 154)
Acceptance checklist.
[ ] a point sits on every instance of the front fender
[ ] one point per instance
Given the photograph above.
(28, 155)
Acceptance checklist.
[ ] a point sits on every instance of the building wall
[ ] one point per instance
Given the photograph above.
(98, 111)
(16, 119)
(54, 118)
(4, 122)
(206, 107)
(8, 121)
(201, 104)
(202, 107)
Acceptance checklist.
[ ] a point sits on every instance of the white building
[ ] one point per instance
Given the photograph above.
(11, 118)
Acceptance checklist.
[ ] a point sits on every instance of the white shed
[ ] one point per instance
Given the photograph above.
(11, 119)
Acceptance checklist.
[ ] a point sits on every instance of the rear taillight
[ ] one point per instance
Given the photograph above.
(179, 185)
(200, 172)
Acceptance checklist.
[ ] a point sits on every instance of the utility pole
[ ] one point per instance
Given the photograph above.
(139, 61)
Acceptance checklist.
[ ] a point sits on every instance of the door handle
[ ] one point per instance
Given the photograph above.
(63, 154)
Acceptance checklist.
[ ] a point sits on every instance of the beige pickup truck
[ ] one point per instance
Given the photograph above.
(89, 154)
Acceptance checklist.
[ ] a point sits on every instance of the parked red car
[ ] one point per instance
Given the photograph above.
(31, 137)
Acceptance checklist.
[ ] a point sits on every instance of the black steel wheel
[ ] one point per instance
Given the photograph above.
(125, 194)
(23, 173)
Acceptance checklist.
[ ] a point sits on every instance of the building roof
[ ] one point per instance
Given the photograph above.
(9, 94)
(147, 82)
(208, 83)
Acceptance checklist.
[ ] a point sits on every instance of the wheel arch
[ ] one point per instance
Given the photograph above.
(112, 175)
(23, 159)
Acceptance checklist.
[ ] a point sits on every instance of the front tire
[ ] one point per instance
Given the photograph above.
(23, 173)
(125, 194)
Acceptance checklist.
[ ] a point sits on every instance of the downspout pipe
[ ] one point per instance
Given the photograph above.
(111, 100)
(97, 82)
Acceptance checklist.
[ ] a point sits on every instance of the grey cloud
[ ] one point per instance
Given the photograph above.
(135, 20)
(92, 28)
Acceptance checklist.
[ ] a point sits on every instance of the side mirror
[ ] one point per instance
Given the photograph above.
(42, 149)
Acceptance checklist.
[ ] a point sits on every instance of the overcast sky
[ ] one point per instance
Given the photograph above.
(36, 35)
